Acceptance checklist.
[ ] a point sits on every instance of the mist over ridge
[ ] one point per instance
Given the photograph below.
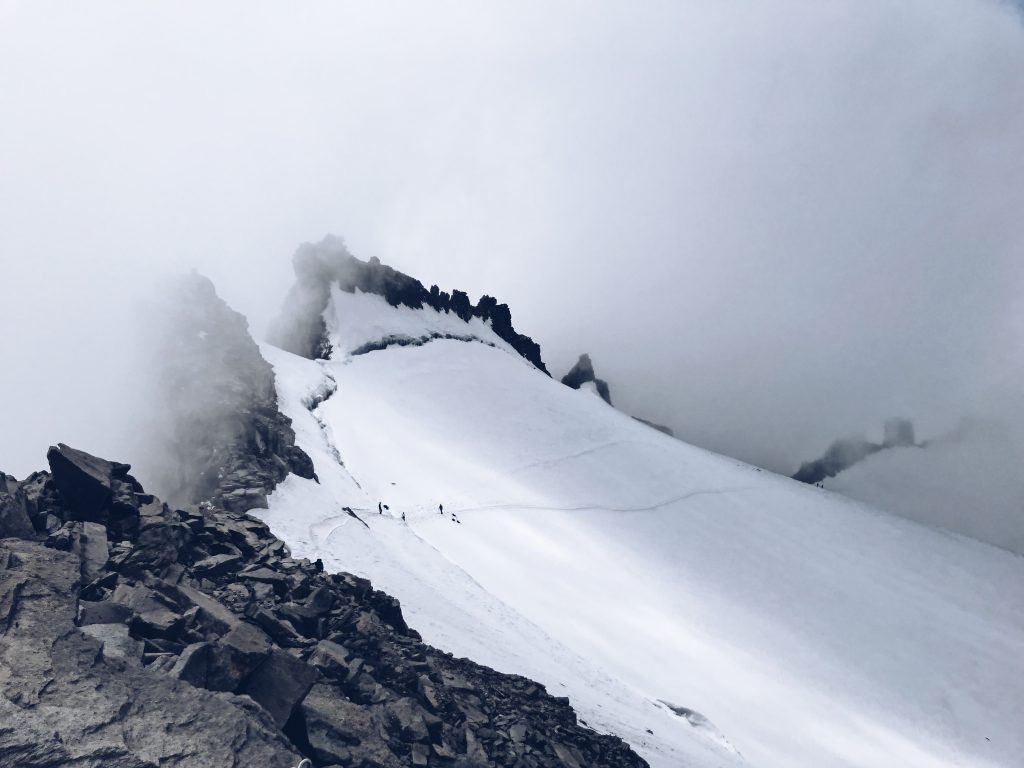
(596, 384)
(768, 234)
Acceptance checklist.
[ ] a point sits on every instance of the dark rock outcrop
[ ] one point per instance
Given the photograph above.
(226, 440)
(844, 453)
(14, 515)
(140, 635)
(583, 372)
(300, 327)
(840, 455)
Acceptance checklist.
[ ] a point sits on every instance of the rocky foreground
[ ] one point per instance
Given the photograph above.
(135, 635)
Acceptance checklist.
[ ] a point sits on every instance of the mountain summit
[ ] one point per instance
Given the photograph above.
(675, 596)
(328, 264)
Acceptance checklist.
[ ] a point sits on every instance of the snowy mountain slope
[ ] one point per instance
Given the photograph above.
(442, 600)
(598, 554)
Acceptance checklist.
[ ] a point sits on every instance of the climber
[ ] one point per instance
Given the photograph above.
(380, 508)
(440, 509)
(403, 517)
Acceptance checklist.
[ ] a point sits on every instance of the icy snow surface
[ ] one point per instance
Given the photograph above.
(784, 624)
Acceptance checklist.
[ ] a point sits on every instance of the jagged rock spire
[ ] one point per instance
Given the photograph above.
(583, 372)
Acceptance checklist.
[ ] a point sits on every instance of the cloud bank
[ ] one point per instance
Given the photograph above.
(770, 224)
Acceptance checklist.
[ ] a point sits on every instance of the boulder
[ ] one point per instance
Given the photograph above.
(106, 612)
(235, 656)
(329, 657)
(90, 544)
(341, 731)
(117, 642)
(217, 564)
(14, 519)
(282, 632)
(38, 495)
(410, 722)
(212, 614)
(156, 546)
(159, 624)
(84, 481)
(193, 664)
(279, 683)
(138, 598)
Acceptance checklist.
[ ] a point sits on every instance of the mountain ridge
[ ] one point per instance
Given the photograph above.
(163, 614)
(300, 327)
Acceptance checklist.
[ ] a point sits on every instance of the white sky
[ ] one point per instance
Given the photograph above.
(770, 223)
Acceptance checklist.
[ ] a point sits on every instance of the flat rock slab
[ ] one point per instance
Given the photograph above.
(279, 683)
(217, 564)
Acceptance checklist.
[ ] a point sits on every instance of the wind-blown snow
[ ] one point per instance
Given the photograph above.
(970, 483)
(357, 319)
(626, 569)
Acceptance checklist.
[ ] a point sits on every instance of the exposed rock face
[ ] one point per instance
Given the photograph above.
(300, 328)
(844, 453)
(14, 519)
(226, 439)
(139, 635)
(84, 698)
(583, 372)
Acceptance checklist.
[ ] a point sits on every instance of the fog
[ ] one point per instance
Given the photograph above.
(770, 224)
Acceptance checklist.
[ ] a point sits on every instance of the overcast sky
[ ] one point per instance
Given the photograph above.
(770, 223)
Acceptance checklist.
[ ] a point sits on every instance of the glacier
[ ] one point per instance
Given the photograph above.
(708, 612)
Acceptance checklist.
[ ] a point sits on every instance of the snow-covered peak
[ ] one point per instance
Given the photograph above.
(359, 322)
(322, 267)
(535, 529)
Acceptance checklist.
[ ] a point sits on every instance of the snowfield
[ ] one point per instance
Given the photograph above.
(709, 613)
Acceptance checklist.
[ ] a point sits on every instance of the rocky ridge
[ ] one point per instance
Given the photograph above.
(844, 453)
(582, 373)
(133, 634)
(300, 328)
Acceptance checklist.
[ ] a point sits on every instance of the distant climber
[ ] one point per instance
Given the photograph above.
(380, 508)
(440, 509)
(403, 517)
